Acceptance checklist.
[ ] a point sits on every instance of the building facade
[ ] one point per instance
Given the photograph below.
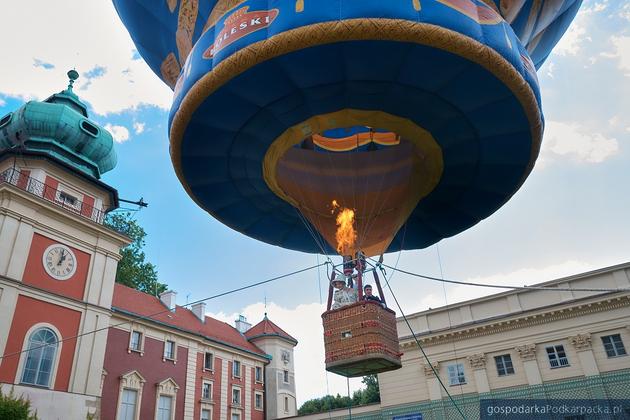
(74, 342)
(519, 344)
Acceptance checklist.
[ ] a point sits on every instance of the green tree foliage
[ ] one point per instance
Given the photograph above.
(133, 270)
(15, 408)
(368, 395)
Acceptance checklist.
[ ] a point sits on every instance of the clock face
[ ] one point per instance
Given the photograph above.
(59, 262)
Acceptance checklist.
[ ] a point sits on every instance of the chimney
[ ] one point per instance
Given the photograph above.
(168, 298)
(242, 325)
(199, 309)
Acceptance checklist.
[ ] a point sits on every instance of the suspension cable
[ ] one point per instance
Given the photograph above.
(148, 317)
(426, 357)
(498, 286)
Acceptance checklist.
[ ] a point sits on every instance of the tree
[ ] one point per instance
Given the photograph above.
(133, 270)
(368, 395)
(15, 408)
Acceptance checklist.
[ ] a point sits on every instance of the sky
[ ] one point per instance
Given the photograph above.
(570, 216)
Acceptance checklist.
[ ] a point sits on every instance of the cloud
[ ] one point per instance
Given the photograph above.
(119, 133)
(571, 41)
(138, 127)
(104, 43)
(621, 51)
(573, 141)
(39, 63)
(520, 277)
(303, 322)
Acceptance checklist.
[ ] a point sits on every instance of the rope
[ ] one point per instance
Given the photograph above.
(148, 317)
(497, 286)
(420, 346)
(319, 283)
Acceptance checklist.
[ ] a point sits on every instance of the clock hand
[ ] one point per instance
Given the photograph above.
(62, 258)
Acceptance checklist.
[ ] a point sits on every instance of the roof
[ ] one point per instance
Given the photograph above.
(266, 328)
(133, 302)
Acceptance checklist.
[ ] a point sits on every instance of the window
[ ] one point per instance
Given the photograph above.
(259, 374)
(613, 345)
(208, 360)
(258, 401)
(236, 416)
(165, 407)
(456, 374)
(205, 414)
(128, 403)
(236, 396)
(286, 404)
(40, 357)
(135, 343)
(169, 350)
(68, 199)
(504, 365)
(206, 391)
(557, 356)
(236, 369)
(285, 376)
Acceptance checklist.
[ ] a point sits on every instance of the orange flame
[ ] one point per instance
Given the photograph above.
(346, 235)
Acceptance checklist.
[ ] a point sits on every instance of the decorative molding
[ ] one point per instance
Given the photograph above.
(526, 351)
(167, 387)
(429, 372)
(581, 341)
(132, 380)
(498, 327)
(477, 361)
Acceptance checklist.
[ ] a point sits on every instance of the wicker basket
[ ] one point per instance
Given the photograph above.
(361, 339)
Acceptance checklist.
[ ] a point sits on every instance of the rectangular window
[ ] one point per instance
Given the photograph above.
(236, 416)
(456, 374)
(66, 198)
(286, 404)
(165, 407)
(236, 396)
(557, 356)
(169, 350)
(613, 345)
(236, 369)
(128, 404)
(258, 401)
(504, 365)
(205, 414)
(136, 341)
(285, 376)
(206, 391)
(208, 360)
(259, 374)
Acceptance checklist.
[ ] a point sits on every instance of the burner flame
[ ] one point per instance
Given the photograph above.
(346, 235)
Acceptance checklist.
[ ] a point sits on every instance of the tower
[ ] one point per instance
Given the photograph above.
(280, 398)
(57, 260)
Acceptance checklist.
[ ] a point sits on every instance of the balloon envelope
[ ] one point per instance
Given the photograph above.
(417, 113)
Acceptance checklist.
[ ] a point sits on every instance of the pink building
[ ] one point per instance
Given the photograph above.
(72, 340)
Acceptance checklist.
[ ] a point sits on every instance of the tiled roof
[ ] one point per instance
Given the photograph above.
(132, 301)
(268, 328)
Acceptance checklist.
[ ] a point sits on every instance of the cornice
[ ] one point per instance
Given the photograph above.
(497, 326)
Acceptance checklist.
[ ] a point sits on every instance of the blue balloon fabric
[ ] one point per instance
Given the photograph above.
(254, 78)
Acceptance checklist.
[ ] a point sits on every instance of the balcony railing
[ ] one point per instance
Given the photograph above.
(24, 182)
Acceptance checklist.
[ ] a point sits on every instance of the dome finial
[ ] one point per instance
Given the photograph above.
(73, 75)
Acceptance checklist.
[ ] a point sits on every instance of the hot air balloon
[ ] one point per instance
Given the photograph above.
(286, 113)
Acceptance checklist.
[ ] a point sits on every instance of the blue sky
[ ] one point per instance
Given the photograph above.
(570, 216)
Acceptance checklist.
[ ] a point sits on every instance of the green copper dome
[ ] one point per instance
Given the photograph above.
(59, 126)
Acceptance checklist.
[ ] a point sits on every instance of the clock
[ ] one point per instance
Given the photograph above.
(59, 261)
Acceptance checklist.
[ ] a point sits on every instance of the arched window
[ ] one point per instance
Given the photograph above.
(40, 358)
